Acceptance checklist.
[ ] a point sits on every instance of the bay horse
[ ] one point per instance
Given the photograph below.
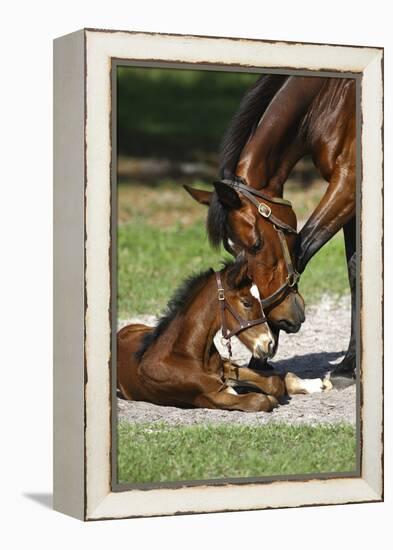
(177, 363)
(280, 120)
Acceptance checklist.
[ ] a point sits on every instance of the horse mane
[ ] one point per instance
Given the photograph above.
(245, 120)
(179, 302)
(241, 127)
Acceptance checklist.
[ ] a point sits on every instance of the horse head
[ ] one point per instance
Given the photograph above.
(242, 313)
(266, 236)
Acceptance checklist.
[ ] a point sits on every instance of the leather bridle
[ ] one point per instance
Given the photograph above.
(281, 228)
(243, 324)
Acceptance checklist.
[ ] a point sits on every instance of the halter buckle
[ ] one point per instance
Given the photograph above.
(292, 279)
(221, 294)
(264, 210)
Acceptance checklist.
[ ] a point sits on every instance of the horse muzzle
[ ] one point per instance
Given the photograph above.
(265, 349)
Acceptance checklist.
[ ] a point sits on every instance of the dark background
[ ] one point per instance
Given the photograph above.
(171, 122)
(177, 114)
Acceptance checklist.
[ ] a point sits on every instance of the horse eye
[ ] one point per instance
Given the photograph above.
(256, 246)
(247, 304)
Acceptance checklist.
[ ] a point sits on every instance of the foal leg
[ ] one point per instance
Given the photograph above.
(271, 384)
(295, 385)
(228, 399)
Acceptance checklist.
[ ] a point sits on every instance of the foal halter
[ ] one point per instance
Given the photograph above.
(243, 323)
(281, 227)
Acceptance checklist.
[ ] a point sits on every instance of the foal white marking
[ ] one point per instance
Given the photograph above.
(312, 385)
(264, 339)
(295, 385)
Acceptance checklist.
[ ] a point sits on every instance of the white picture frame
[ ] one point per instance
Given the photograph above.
(83, 374)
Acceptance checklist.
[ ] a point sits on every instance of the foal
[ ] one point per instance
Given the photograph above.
(176, 363)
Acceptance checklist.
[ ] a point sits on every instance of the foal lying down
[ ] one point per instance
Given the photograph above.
(176, 363)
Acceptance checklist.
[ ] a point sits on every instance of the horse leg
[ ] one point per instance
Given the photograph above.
(337, 209)
(348, 365)
(271, 384)
(228, 399)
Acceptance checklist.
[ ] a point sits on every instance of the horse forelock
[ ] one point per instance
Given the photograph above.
(217, 222)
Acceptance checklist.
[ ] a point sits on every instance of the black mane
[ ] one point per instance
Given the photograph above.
(243, 124)
(179, 302)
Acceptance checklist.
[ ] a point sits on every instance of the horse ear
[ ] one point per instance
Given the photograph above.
(201, 196)
(227, 196)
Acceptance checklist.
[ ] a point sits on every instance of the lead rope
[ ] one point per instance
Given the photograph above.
(229, 350)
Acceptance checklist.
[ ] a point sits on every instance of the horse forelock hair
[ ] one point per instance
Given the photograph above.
(217, 222)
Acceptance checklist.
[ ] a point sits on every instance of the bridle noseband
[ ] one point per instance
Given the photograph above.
(281, 228)
(243, 323)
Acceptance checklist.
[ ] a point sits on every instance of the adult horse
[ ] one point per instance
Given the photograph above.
(280, 120)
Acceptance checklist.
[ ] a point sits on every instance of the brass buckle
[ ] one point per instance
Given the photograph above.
(293, 279)
(264, 210)
(221, 294)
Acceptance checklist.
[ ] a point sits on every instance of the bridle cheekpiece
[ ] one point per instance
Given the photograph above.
(243, 324)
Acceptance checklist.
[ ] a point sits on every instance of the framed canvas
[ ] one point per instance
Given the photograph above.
(137, 116)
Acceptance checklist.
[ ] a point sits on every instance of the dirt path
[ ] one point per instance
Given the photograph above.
(311, 353)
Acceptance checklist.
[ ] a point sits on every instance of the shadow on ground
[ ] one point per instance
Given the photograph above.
(311, 365)
(45, 499)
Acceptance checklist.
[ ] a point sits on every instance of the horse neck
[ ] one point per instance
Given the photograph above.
(199, 324)
(275, 147)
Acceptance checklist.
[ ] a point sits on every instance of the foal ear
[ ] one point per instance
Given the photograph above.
(227, 196)
(201, 196)
(238, 276)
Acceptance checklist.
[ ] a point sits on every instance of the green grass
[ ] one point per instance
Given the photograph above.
(326, 273)
(152, 262)
(157, 452)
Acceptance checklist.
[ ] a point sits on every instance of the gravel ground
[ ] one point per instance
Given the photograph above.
(310, 354)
